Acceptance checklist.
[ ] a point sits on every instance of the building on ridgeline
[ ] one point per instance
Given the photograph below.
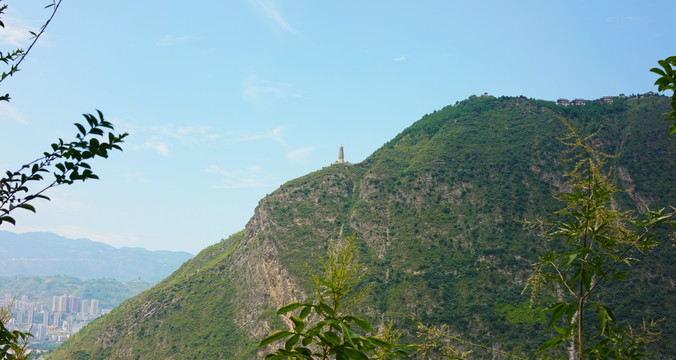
(341, 156)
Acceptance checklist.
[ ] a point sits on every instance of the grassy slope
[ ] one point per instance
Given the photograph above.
(435, 212)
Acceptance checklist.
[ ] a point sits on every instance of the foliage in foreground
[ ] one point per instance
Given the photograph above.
(335, 334)
(338, 333)
(67, 161)
(667, 81)
(590, 243)
(13, 344)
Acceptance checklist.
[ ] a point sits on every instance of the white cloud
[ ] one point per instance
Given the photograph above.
(160, 138)
(276, 134)
(10, 113)
(300, 155)
(273, 13)
(250, 177)
(169, 40)
(399, 58)
(15, 33)
(194, 133)
(156, 143)
(255, 88)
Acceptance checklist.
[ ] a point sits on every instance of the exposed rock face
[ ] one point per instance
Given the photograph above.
(434, 212)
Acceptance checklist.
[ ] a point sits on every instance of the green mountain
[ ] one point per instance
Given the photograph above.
(434, 212)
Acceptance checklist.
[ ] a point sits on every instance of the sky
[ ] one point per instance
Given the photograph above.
(225, 101)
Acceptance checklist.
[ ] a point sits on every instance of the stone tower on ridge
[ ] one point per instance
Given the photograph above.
(341, 155)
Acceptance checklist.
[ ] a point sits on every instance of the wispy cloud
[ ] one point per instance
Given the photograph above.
(250, 177)
(190, 132)
(160, 138)
(399, 59)
(271, 11)
(170, 40)
(254, 89)
(15, 33)
(300, 155)
(10, 113)
(275, 134)
(158, 145)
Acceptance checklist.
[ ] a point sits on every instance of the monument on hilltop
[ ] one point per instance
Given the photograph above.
(341, 156)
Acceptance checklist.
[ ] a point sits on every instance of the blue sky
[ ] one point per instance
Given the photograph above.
(227, 100)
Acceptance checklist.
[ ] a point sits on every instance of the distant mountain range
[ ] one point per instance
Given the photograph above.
(48, 254)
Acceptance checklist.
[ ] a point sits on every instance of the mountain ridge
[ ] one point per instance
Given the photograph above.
(47, 254)
(433, 210)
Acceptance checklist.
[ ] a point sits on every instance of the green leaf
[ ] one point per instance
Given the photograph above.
(658, 71)
(305, 312)
(348, 353)
(276, 335)
(558, 309)
(603, 318)
(306, 341)
(362, 323)
(672, 130)
(299, 324)
(331, 338)
(327, 283)
(289, 307)
(27, 207)
(380, 342)
(549, 344)
(291, 342)
(327, 309)
(8, 219)
(81, 129)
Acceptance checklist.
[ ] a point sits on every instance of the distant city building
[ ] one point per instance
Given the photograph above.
(45, 317)
(578, 102)
(40, 332)
(85, 306)
(71, 313)
(59, 304)
(74, 304)
(94, 307)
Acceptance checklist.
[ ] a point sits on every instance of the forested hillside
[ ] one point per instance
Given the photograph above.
(435, 211)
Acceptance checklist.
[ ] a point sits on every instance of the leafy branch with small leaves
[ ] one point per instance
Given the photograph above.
(337, 334)
(15, 57)
(13, 344)
(667, 81)
(67, 161)
(594, 243)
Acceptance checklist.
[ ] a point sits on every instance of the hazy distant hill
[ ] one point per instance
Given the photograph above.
(41, 253)
(109, 292)
(434, 210)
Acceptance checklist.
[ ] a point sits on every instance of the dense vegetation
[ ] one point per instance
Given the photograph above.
(435, 214)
